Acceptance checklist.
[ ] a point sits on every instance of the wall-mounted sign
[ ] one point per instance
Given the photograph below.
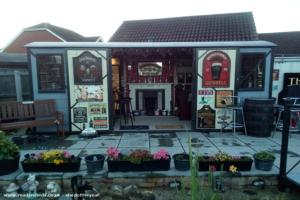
(224, 98)
(89, 93)
(80, 115)
(97, 109)
(206, 117)
(291, 79)
(87, 69)
(216, 69)
(205, 92)
(100, 122)
(150, 68)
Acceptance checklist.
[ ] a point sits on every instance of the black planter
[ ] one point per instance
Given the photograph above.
(127, 166)
(181, 161)
(94, 162)
(263, 165)
(51, 167)
(9, 166)
(241, 164)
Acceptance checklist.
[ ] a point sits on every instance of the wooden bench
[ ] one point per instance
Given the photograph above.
(14, 115)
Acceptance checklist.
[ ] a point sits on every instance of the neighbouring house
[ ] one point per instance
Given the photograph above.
(176, 72)
(15, 51)
(286, 70)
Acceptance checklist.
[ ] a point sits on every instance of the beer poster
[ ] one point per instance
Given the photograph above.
(216, 69)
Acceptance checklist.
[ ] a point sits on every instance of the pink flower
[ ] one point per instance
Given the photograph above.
(66, 154)
(212, 168)
(113, 153)
(162, 154)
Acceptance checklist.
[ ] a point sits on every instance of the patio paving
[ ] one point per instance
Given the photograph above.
(203, 144)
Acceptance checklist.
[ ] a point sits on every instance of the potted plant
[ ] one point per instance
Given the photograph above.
(137, 160)
(264, 160)
(9, 155)
(94, 162)
(181, 161)
(243, 163)
(51, 161)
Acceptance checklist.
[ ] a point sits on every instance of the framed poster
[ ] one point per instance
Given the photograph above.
(223, 98)
(87, 69)
(216, 70)
(206, 117)
(80, 114)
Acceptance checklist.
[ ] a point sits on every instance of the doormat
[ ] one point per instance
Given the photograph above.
(171, 126)
(135, 127)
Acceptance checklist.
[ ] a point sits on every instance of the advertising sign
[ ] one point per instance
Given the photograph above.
(216, 69)
(87, 69)
(291, 79)
(80, 114)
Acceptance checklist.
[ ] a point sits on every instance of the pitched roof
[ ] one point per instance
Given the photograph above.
(65, 34)
(288, 42)
(219, 27)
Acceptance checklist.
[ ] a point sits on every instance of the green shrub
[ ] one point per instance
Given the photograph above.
(8, 149)
(264, 155)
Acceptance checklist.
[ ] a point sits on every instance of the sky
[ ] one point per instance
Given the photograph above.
(103, 17)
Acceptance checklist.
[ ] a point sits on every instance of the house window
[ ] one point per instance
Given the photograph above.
(251, 74)
(50, 73)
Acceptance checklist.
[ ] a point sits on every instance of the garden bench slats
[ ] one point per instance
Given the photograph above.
(15, 115)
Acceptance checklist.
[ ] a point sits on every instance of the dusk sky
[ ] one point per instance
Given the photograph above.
(102, 18)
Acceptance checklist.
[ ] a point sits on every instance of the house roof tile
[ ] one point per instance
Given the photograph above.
(219, 27)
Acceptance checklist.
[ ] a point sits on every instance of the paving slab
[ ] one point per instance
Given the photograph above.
(128, 136)
(136, 142)
(253, 141)
(164, 142)
(102, 144)
(227, 142)
(78, 145)
(190, 134)
(162, 135)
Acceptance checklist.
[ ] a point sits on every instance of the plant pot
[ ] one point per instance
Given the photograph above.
(127, 166)
(51, 167)
(94, 162)
(9, 166)
(263, 164)
(181, 161)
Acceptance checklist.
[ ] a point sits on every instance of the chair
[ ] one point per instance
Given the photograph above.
(233, 103)
(280, 108)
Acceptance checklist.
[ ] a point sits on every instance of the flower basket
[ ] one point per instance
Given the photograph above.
(127, 166)
(51, 161)
(137, 160)
(243, 164)
(8, 166)
(52, 167)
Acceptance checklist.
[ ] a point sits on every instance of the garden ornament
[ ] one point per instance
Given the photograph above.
(53, 188)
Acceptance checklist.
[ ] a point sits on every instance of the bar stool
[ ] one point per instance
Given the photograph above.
(126, 110)
(233, 103)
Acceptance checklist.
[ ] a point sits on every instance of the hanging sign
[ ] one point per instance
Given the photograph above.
(216, 69)
(87, 69)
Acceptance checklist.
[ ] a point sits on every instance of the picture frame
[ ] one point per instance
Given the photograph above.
(275, 74)
(220, 98)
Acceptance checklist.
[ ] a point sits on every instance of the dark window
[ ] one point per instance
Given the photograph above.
(251, 74)
(50, 73)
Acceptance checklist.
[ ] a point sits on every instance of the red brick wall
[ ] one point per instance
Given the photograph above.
(17, 46)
